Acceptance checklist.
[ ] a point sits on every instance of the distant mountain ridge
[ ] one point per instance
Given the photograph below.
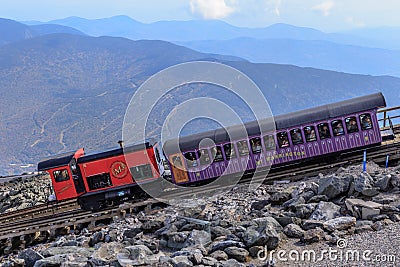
(13, 31)
(195, 30)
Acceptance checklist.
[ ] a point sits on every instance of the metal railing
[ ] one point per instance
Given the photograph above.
(388, 120)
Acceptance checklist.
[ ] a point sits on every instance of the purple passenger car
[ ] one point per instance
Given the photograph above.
(296, 136)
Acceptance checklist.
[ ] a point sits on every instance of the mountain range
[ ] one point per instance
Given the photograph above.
(367, 51)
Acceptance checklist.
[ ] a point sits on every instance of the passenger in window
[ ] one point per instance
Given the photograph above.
(229, 152)
(366, 122)
(256, 145)
(310, 134)
(338, 130)
(269, 142)
(324, 131)
(218, 153)
(204, 157)
(296, 137)
(283, 140)
(352, 126)
(243, 148)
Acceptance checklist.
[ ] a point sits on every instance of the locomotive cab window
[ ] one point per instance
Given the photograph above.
(216, 153)
(269, 142)
(61, 175)
(204, 157)
(141, 172)
(337, 127)
(191, 159)
(99, 181)
(323, 130)
(256, 145)
(283, 140)
(351, 125)
(309, 132)
(297, 139)
(229, 151)
(366, 122)
(243, 148)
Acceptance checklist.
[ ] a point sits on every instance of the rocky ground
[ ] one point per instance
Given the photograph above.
(21, 193)
(346, 218)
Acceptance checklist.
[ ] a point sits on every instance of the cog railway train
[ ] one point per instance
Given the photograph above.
(101, 179)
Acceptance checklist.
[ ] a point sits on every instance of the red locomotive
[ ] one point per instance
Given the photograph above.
(102, 179)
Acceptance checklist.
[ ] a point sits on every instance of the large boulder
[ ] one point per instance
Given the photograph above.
(29, 256)
(364, 185)
(340, 223)
(239, 254)
(334, 186)
(265, 232)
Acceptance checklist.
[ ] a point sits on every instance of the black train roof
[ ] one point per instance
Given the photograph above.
(283, 121)
(65, 159)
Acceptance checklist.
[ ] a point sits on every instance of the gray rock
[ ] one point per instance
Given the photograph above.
(364, 185)
(383, 182)
(325, 211)
(131, 233)
(136, 255)
(239, 254)
(177, 240)
(197, 237)
(52, 251)
(312, 224)
(232, 263)
(285, 220)
(209, 261)
(261, 236)
(293, 202)
(221, 245)
(304, 211)
(150, 226)
(313, 235)
(293, 230)
(254, 251)
(97, 238)
(395, 181)
(334, 186)
(363, 229)
(106, 254)
(219, 255)
(181, 261)
(217, 231)
(318, 198)
(260, 204)
(378, 217)
(29, 256)
(278, 198)
(340, 223)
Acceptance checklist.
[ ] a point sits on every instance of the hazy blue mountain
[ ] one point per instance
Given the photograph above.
(11, 31)
(61, 92)
(44, 29)
(316, 54)
(388, 37)
(195, 30)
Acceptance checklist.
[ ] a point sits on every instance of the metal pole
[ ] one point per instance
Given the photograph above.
(365, 161)
(387, 161)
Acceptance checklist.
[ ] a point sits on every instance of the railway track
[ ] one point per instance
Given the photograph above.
(21, 227)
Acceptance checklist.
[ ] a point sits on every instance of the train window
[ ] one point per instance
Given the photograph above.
(283, 140)
(177, 162)
(366, 122)
(323, 129)
(351, 124)
(230, 152)
(216, 153)
(243, 148)
(141, 172)
(295, 134)
(191, 159)
(337, 127)
(99, 181)
(61, 175)
(256, 145)
(309, 132)
(269, 142)
(204, 157)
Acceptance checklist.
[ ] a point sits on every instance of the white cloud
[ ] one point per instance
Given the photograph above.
(273, 6)
(354, 22)
(324, 8)
(211, 9)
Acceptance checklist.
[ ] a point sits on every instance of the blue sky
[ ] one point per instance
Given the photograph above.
(327, 15)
